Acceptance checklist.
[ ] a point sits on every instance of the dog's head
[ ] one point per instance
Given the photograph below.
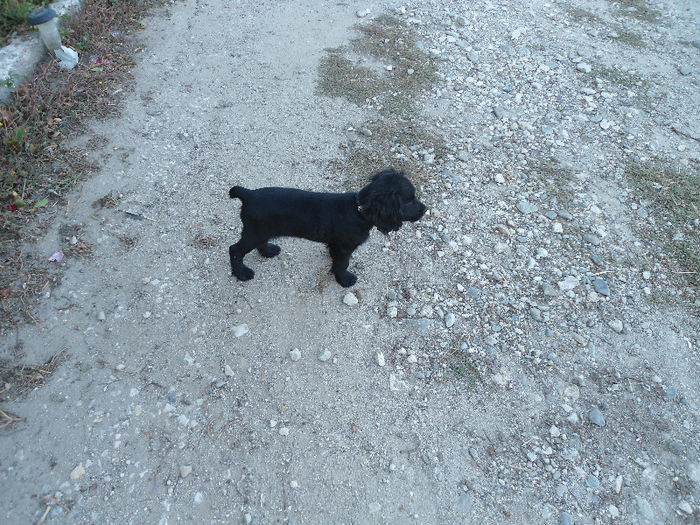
(389, 200)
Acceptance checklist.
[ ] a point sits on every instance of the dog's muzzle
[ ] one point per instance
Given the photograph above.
(412, 211)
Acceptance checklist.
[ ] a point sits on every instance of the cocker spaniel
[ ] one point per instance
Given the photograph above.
(340, 220)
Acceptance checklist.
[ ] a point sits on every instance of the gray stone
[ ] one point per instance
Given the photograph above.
(449, 320)
(526, 207)
(671, 393)
(569, 283)
(565, 519)
(551, 214)
(684, 70)
(549, 290)
(591, 238)
(422, 326)
(499, 112)
(583, 67)
(601, 286)
(536, 314)
(473, 56)
(463, 156)
(596, 259)
(596, 417)
(592, 482)
(644, 508)
(565, 215)
(464, 503)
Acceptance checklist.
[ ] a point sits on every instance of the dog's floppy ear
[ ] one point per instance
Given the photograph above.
(380, 204)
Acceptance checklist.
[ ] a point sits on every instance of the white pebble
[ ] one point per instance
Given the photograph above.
(325, 355)
(380, 359)
(350, 299)
(240, 330)
(77, 472)
(284, 431)
(295, 354)
(616, 325)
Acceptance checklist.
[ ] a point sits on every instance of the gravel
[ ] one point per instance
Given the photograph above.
(477, 340)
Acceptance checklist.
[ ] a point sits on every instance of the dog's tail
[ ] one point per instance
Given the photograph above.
(238, 192)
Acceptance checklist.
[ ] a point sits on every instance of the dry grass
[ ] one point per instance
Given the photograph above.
(673, 195)
(18, 379)
(37, 168)
(638, 9)
(383, 68)
(555, 178)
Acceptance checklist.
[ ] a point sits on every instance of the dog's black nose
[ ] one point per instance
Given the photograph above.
(413, 211)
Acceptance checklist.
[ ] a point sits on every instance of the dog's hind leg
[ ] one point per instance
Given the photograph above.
(269, 250)
(236, 253)
(341, 261)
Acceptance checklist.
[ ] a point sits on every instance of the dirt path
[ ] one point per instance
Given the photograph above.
(516, 388)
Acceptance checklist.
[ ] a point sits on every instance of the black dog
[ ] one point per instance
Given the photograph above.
(340, 220)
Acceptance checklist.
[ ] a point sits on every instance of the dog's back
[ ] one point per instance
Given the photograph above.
(291, 212)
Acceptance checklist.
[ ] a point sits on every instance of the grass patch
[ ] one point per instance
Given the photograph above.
(37, 169)
(205, 242)
(674, 197)
(639, 10)
(624, 36)
(385, 69)
(13, 16)
(341, 77)
(464, 369)
(554, 178)
(579, 15)
(70, 236)
(393, 90)
(18, 379)
(619, 77)
(629, 38)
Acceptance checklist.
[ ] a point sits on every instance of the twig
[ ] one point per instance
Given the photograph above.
(8, 419)
(684, 133)
(160, 465)
(43, 517)
(69, 208)
(209, 429)
(105, 364)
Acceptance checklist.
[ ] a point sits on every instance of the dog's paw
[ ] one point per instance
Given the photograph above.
(244, 273)
(269, 250)
(346, 279)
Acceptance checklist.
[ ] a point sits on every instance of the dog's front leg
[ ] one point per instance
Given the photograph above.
(341, 261)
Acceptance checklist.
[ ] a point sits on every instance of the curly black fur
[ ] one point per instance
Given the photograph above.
(340, 220)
